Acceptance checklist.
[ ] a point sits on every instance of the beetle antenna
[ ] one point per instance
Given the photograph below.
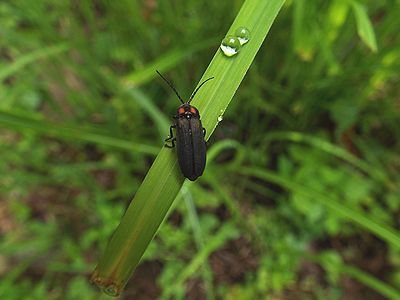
(195, 91)
(172, 87)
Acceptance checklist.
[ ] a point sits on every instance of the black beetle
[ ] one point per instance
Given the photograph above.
(190, 143)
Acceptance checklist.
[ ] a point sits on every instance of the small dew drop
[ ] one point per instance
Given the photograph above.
(230, 45)
(111, 290)
(243, 34)
(220, 118)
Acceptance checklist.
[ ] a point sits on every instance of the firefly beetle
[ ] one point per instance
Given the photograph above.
(190, 142)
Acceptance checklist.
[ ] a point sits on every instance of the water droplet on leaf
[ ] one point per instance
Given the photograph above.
(111, 290)
(230, 46)
(243, 34)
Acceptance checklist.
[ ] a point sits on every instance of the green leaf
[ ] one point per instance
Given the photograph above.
(364, 26)
(164, 180)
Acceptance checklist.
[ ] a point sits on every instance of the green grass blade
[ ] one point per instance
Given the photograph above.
(164, 63)
(226, 232)
(333, 263)
(22, 122)
(205, 271)
(332, 149)
(150, 109)
(221, 146)
(164, 180)
(364, 26)
(31, 57)
(371, 281)
(384, 232)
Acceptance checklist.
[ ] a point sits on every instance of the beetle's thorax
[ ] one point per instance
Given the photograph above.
(188, 111)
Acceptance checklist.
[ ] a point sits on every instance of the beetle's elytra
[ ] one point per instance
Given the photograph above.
(189, 136)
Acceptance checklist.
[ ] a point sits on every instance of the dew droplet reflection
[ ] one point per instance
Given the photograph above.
(230, 46)
(243, 35)
(111, 290)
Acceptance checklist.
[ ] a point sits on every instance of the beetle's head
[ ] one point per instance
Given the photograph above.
(187, 111)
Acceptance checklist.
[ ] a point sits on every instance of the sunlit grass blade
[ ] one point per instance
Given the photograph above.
(164, 63)
(364, 27)
(220, 147)
(31, 57)
(150, 109)
(164, 180)
(332, 149)
(22, 123)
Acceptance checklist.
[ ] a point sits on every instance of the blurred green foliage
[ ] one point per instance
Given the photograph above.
(78, 136)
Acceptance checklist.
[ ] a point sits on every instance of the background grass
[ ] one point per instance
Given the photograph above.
(316, 118)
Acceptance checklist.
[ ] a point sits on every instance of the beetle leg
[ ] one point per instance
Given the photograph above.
(171, 134)
(171, 137)
(172, 140)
